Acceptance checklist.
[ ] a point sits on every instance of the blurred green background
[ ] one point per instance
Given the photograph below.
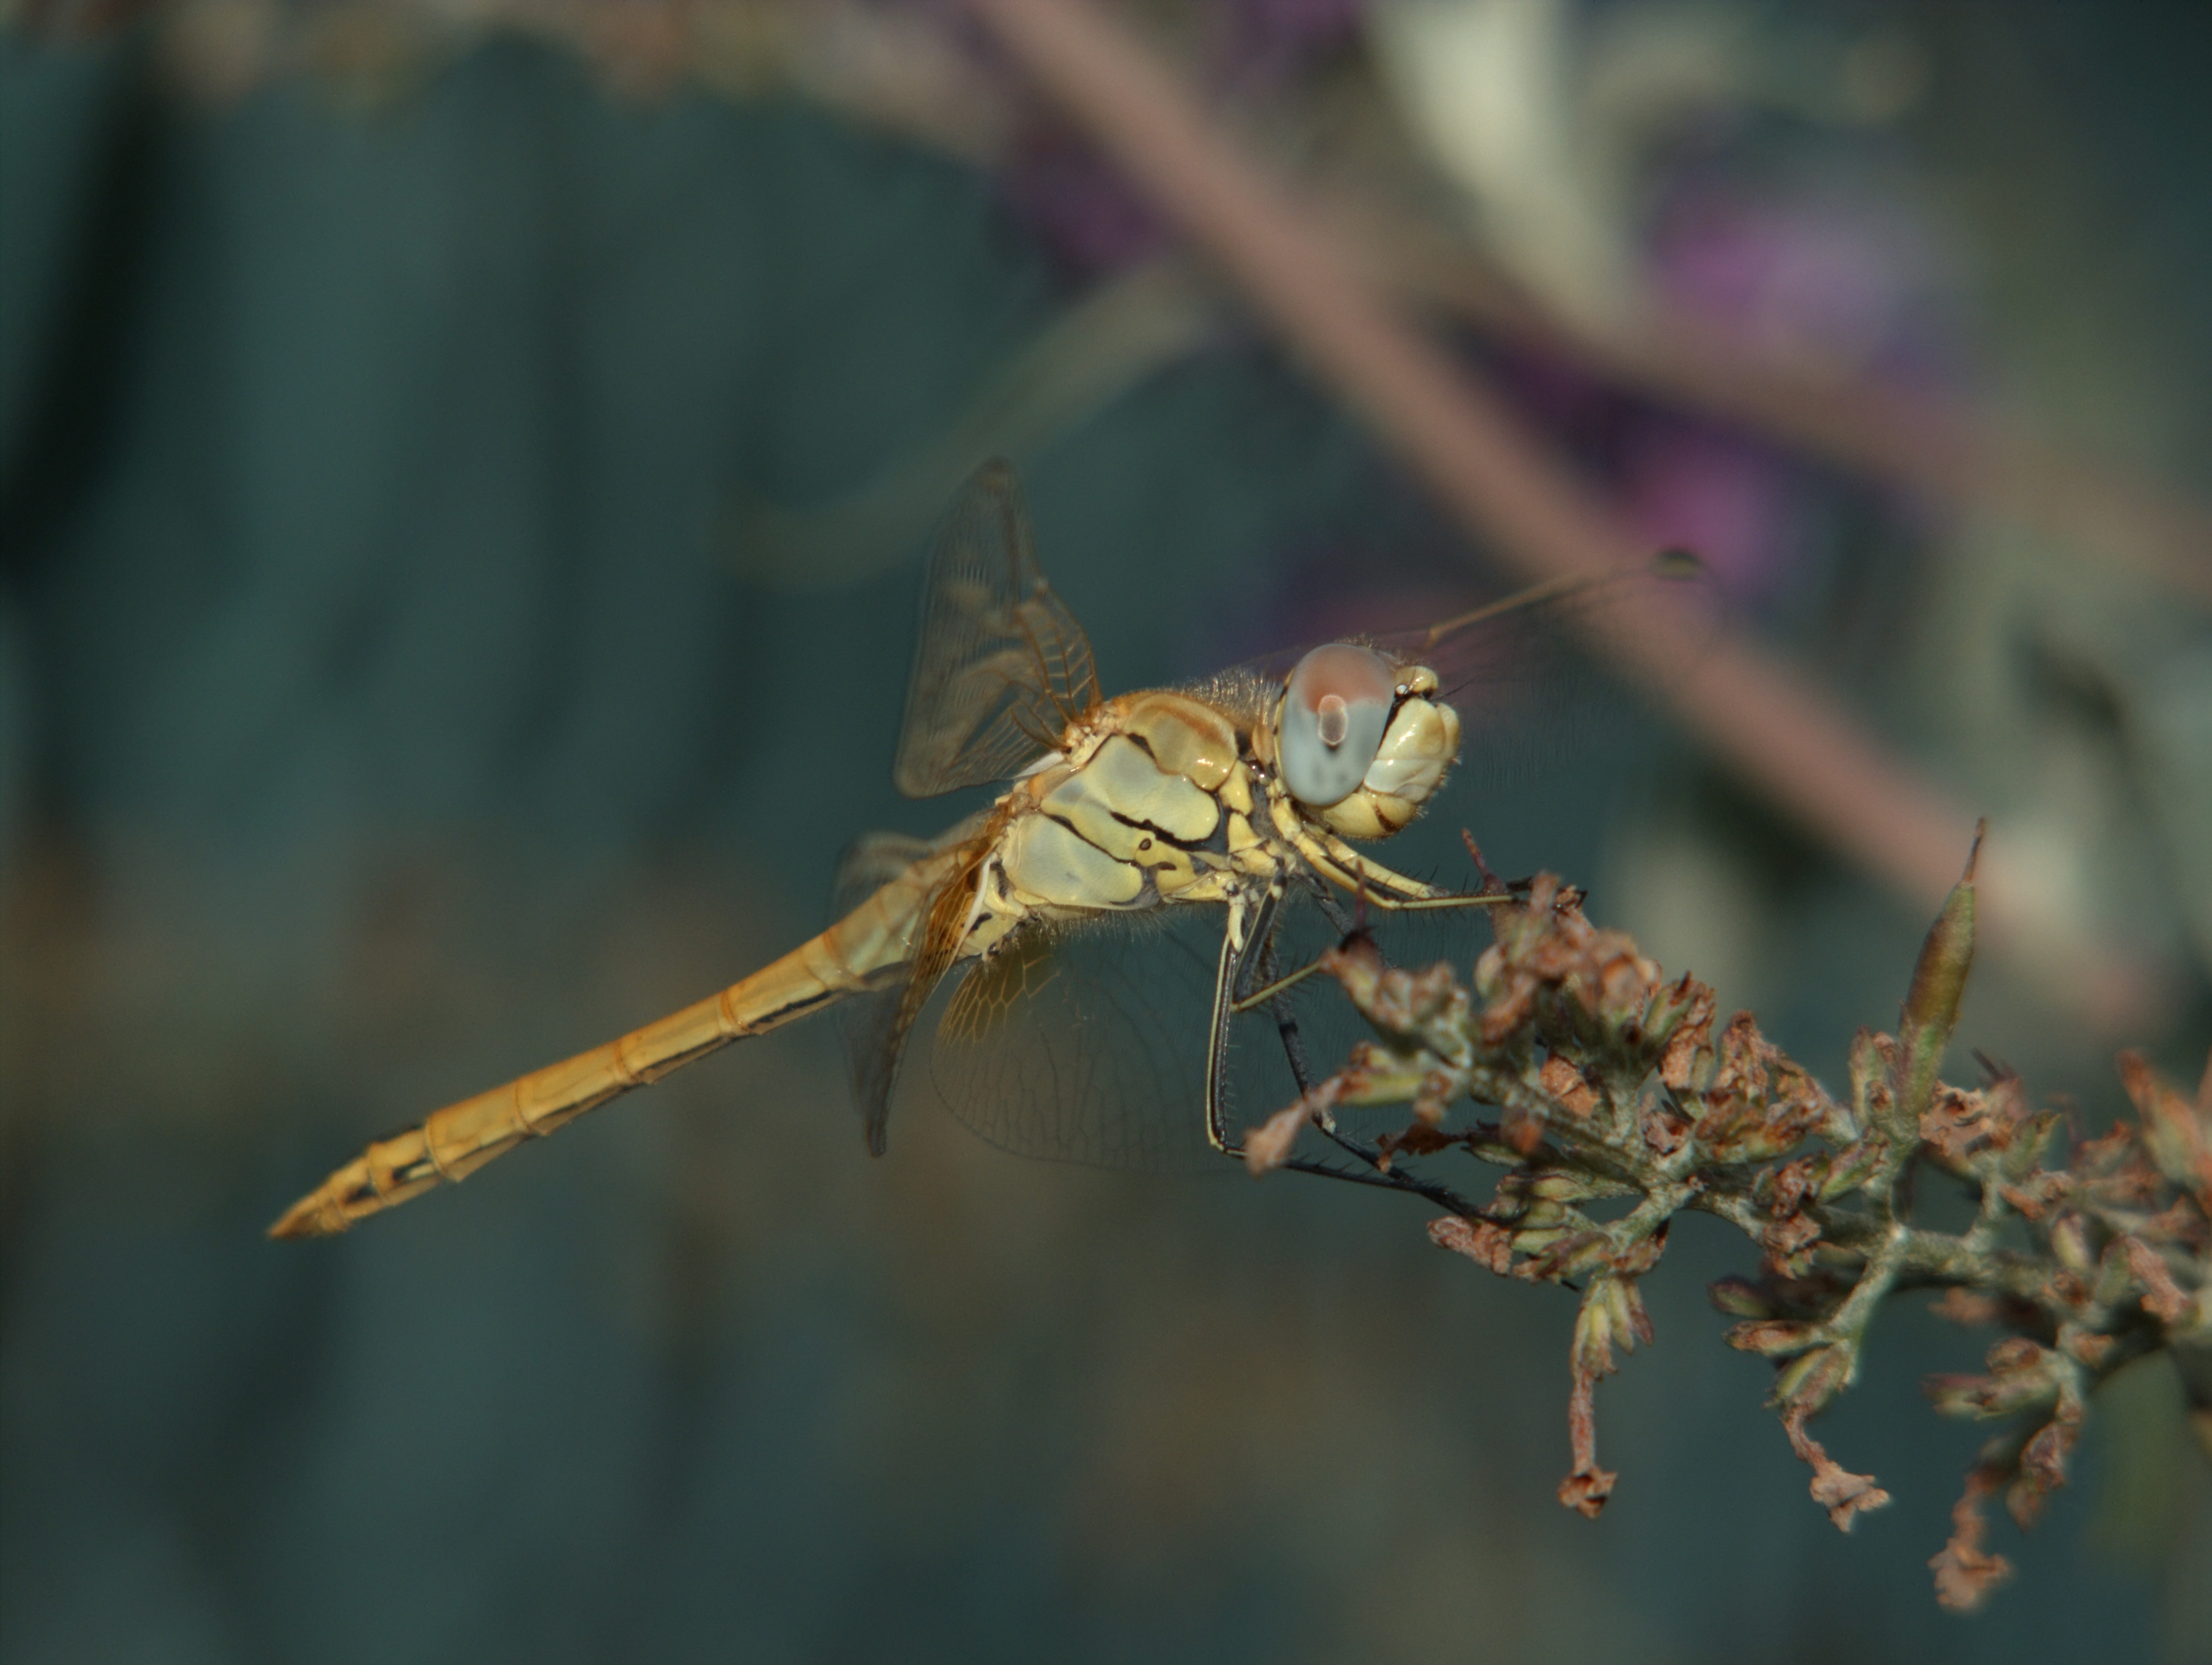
(465, 473)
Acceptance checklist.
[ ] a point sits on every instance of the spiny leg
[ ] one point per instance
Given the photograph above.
(1287, 1022)
(1237, 937)
(1374, 1170)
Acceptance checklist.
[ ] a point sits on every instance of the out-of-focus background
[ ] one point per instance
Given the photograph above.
(465, 469)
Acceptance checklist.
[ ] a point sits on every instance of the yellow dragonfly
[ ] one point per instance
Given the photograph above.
(1237, 794)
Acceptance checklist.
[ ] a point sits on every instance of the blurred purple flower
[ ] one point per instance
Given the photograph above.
(1267, 39)
(1859, 283)
(1688, 486)
(1679, 479)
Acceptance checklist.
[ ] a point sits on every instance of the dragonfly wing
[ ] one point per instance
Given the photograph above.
(1083, 1044)
(1088, 1043)
(1001, 665)
(874, 1023)
(1535, 676)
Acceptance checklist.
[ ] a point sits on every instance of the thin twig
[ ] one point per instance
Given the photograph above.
(1920, 439)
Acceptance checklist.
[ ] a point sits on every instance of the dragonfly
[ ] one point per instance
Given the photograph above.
(1228, 798)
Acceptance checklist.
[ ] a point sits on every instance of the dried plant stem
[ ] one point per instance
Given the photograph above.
(1612, 1081)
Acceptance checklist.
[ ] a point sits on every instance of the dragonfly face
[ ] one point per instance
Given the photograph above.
(1358, 741)
(1239, 794)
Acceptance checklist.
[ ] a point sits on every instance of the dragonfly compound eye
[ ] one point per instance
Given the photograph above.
(1334, 711)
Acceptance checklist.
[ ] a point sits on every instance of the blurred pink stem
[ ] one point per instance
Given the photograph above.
(1917, 439)
(1781, 733)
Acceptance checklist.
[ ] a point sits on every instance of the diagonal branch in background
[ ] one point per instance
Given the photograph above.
(1917, 439)
(1804, 751)
(902, 70)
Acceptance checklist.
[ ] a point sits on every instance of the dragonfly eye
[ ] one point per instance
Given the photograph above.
(1335, 720)
(1334, 711)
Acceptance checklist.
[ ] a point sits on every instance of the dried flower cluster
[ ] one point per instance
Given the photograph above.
(1611, 1082)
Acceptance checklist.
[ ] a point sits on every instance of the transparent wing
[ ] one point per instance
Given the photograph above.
(1534, 676)
(1001, 665)
(867, 1024)
(874, 1025)
(1088, 1045)
(1084, 1045)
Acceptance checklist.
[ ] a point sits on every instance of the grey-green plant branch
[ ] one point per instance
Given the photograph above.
(1611, 1082)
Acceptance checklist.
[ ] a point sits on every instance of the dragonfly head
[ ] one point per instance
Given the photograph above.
(1359, 741)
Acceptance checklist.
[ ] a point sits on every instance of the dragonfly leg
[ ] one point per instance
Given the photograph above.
(1265, 961)
(1373, 884)
(1294, 1046)
(1251, 924)
(1248, 954)
(1333, 911)
(1421, 903)
(1217, 1042)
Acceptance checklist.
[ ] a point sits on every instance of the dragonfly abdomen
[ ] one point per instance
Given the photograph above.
(455, 1141)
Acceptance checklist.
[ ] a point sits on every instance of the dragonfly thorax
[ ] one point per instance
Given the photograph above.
(1149, 800)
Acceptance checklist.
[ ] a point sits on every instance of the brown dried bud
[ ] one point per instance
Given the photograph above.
(1664, 1128)
(1786, 1241)
(2030, 1136)
(2115, 1277)
(1267, 1146)
(2069, 1244)
(1667, 1008)
(1965, 1306)
(1683, 1013)
(1806, 1383)
(1783, 1189)
(2021, 1375)
(1571, 1255)
(1931, 1004)
(2032, 1198)
(1965, 1572)
(1852, 1167)
(1565, 1084)
(1802, 1389)
(2085, 1347)
(1740, 1299)
(1521, 1129)
(2178, 1141)
(1776, 1338)
(1434, 1096)
(1873, 1066)
(1957, 1127)
(2161, 1297)
(1612, 1315)
(1486, 1244)
(2043, 1461)
(1585, 1490)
